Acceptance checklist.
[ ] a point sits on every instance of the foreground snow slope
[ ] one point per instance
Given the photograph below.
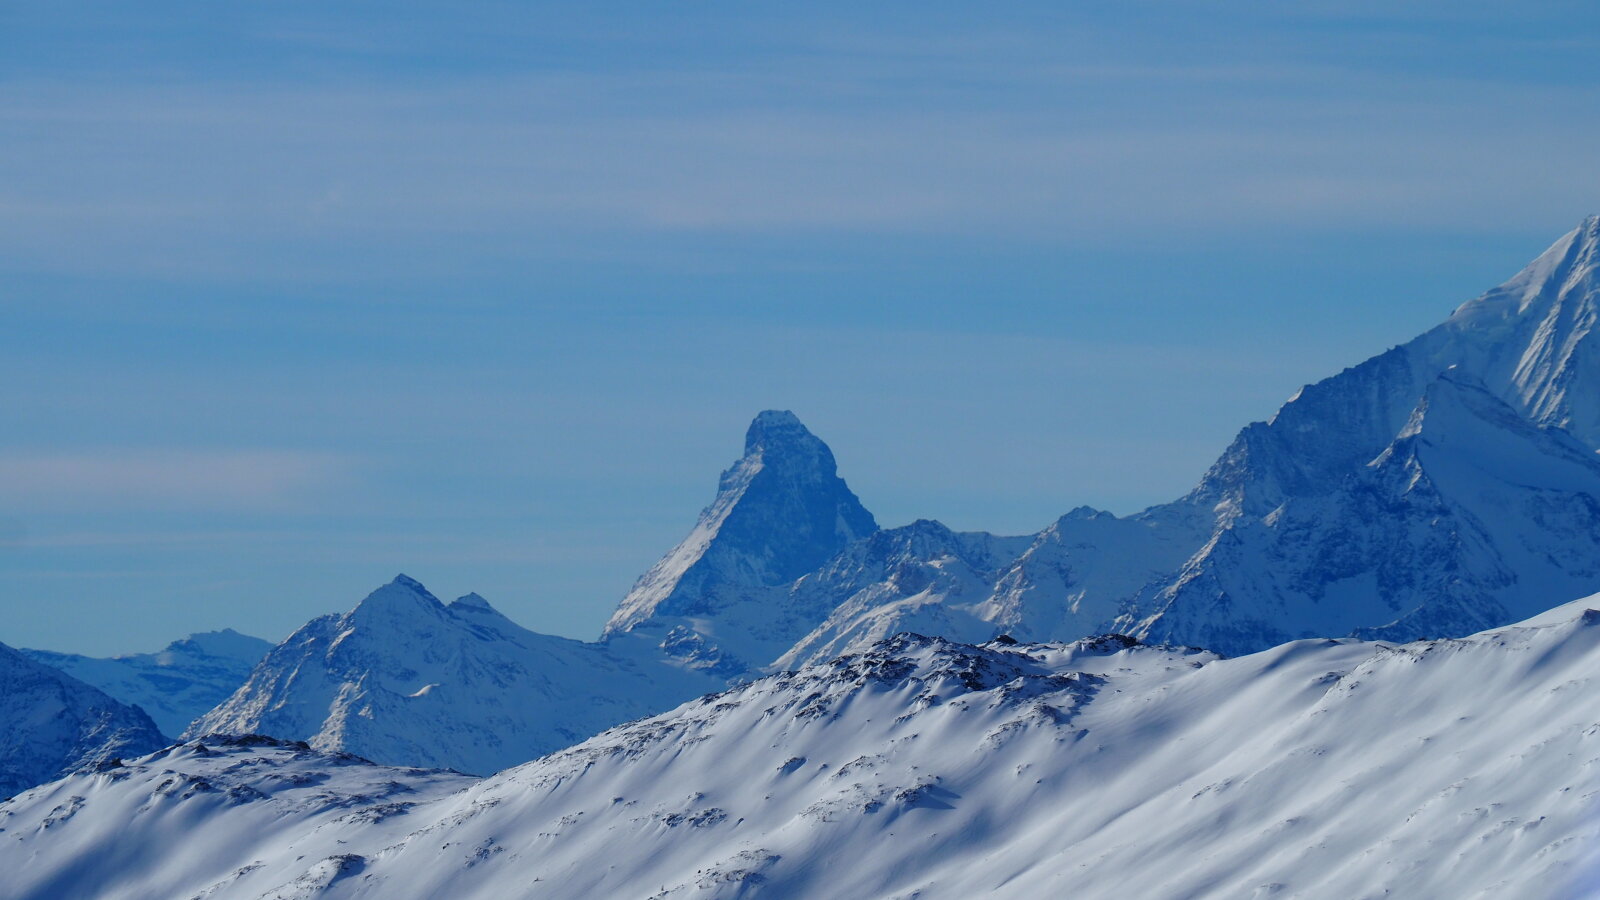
(176, 685)
(197, 819)
(51, 724)
(922, 768)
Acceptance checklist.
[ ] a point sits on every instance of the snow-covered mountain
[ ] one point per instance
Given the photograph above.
(405, 679)
(716, 601)
(52, 724)
(922, 768)
(1444, 486)
(1325, 515)
(1471, 517)
(176, 685)
(922, 577)
(1065, 582)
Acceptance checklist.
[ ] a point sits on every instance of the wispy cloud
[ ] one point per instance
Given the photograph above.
(261, 178)
(244, 480)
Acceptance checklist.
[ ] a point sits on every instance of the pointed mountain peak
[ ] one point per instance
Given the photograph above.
(406, 581)
(404, 595)
(781, 431)
(1566, 269)
(1084, 514)
(1456, 396)
(473, 600)
(781, 511)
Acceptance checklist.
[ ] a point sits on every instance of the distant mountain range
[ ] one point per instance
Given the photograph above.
(1444, 487)
(176, 685)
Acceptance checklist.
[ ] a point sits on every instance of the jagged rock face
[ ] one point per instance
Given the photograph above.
(1530, 342)
(1470, 518)
(921, 578)
(406, 679)
(920, 768)
(176, 685)
(781, 511)
(1330, 521)
(1532, 339)
(52, 724)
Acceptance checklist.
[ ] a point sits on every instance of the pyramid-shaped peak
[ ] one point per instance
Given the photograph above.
(1457, 402)
(1456, 392)
(780, 512)
(402, 580)
(779, 430)
(1084, 514)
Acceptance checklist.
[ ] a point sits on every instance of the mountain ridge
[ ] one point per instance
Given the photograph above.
(919, 767)
(176, 684)
(403, 678)
(52, 724)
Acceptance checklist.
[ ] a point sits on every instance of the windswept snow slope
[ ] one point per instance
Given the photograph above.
(200, 819)
(176, 685)
(922, 768)
(51, 724)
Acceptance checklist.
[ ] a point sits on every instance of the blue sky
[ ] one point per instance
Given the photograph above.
(295, 297)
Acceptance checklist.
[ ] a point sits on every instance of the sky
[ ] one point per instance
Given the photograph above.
(296, 296)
